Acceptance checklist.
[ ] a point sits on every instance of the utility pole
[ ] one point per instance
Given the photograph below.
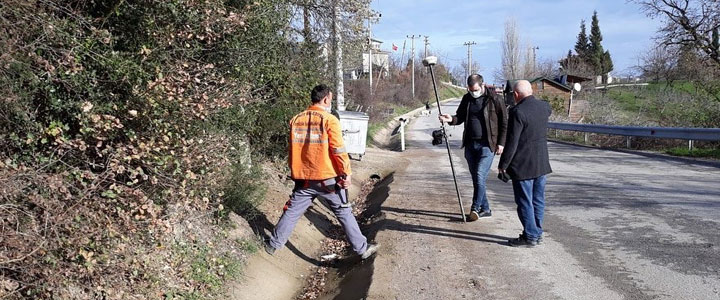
(402, 57)
(427, 42)
(534, 65)
(469, 66)
(370, 62)
(370, 45)
(412, 51)
(337, 38)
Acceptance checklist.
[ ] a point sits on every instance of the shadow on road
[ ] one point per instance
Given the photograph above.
(422, 229)
(451, 217)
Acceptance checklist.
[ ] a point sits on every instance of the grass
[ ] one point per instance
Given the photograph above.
(373, 128)
(572, 138)
(446, 92)
(208, 269)
(626, 99)
(702, 153)
(249, 246)
(631, 99)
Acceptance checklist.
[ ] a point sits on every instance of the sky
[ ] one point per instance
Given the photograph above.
(551, 25)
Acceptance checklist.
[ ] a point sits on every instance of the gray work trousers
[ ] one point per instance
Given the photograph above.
(301, 199)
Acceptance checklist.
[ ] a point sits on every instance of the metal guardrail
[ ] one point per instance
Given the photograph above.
(602, 87)
(689, 134)
(698, 134)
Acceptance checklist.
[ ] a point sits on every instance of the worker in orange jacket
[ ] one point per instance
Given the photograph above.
(320, 166)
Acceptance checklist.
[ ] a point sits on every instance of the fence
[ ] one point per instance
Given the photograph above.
(689, 134)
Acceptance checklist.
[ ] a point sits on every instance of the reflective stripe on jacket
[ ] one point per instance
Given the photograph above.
(317, 149)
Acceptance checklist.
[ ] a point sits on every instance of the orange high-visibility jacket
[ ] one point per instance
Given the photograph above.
(317, 149)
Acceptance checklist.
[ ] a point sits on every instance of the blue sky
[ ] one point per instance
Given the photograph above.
(552, 25)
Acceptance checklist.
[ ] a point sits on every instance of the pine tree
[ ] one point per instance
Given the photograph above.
(581, 46)
(607, 64)
(598, 58)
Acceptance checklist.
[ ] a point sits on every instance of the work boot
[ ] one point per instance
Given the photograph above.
(522, 241)
(371, 249)
(484, 213)
(268, 248)
(473, 216)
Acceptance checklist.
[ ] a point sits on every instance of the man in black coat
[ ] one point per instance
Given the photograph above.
(485, 119)
(526, 161)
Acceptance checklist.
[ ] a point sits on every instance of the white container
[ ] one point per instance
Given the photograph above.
(354, 126)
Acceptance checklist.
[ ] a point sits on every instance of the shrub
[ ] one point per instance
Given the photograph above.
(123, 124)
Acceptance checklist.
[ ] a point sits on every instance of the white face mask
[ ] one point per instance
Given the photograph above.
(476, 94)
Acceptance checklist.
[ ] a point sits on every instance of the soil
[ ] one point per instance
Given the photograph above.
(285, 274)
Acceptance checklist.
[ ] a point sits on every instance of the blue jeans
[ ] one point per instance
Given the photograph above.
(530, 200)
(479, 158)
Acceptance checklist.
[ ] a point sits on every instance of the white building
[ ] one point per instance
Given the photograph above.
(380, 58)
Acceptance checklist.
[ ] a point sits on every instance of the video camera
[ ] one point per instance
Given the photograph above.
(437, 136)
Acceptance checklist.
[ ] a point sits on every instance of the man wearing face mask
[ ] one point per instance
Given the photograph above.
(485, 118)
(320, 167)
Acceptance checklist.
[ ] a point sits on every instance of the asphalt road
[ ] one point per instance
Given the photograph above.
(618, 225)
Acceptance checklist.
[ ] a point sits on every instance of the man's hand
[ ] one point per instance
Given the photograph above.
(344, 183)
(445, 118)
(499, 150)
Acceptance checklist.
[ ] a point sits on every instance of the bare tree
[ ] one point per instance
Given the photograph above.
(688, 23)
(528, 67)
(511, 58)
(660, 63)
(694, 28)
(547, 68)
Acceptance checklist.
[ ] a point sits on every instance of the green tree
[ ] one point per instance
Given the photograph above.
(598, 58)
(582, 44)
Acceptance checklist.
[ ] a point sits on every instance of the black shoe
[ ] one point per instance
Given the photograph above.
(539, 240)
(269, 249)
(484, 213)
(522, 241)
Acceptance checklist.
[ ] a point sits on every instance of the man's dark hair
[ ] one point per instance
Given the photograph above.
(474, 79)
(319, 92)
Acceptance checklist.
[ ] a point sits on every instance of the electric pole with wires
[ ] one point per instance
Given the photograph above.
(469, 60)
(412, 53)
(427, 42)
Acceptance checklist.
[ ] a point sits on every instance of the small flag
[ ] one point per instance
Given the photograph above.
(394, 47)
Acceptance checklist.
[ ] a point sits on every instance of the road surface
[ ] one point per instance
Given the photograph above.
(618, 226)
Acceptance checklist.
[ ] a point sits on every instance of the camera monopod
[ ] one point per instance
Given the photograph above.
(429, 62)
